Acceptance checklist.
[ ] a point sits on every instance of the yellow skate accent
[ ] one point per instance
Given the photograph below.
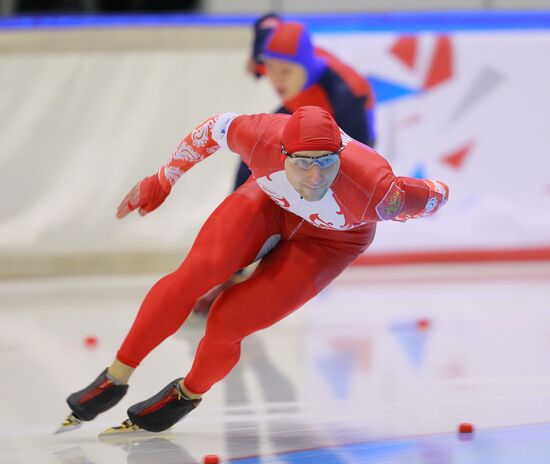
(128, 432)
(126, 427)
(70, 423)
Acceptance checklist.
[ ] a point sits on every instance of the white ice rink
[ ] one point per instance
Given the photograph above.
(351, 377)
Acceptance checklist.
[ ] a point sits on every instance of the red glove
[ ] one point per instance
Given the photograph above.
(147, 194)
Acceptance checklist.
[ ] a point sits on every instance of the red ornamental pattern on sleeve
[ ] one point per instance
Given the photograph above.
(203, 133)
(185, 152)
(196, 146)
(172, 174)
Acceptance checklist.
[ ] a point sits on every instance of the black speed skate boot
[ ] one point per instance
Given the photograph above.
(102, 394)
(162, 410)
(158, 413)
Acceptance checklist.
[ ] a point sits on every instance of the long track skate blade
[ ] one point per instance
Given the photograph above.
(70, 423)
(128, 431)
(125, 429)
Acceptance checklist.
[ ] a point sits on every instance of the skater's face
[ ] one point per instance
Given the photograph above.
(310, 179)
(287, 78)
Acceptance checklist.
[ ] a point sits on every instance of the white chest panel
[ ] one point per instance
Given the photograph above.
(325, 213)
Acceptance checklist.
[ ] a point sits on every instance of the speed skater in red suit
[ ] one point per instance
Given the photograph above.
(303, 74)
(308, 211)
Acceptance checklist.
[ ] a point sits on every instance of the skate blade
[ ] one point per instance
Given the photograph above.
(70, 423)
(129, 432)
(126, 429)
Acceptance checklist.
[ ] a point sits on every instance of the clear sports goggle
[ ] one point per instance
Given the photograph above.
(307, 162)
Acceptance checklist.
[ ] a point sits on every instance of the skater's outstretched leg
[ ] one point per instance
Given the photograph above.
(302, 269)
(230, 239)
(289, 276)
(218, 252)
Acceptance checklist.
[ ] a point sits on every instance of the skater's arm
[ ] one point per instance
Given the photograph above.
(196, 146)
(149, 193)
(237, 133)
(402, 198)
(395, 197)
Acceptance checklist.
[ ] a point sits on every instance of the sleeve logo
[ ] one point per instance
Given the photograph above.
(392, 203)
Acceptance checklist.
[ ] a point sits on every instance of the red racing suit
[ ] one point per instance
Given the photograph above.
(364, 191)
(304, 245)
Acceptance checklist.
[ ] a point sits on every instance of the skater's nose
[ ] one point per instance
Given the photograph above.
(314, 176)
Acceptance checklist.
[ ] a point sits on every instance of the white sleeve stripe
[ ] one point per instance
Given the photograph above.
(221, 127)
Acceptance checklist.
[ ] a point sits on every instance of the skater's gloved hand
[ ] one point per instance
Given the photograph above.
(147, 195)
